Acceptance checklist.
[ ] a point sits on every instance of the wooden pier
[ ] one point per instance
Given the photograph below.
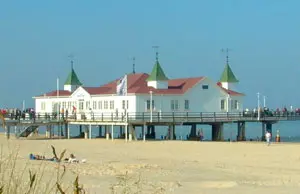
(129, 121)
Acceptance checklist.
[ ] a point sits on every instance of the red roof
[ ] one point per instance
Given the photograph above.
(230, 92)
(54, 93)
(137, 84)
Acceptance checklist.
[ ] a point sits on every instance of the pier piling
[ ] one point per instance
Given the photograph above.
(217, 132)
(241, 131)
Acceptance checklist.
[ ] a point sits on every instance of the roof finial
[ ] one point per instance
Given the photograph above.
(71, 57)
(156, 48)
(133, 65)
(227, 55)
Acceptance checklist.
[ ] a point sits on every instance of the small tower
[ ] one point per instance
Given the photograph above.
(228, 79)
(72, 82)
(157, 79)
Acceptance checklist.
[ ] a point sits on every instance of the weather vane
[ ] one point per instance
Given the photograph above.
(227, 54)
(133, 65)
(71, 57)
(156, 48)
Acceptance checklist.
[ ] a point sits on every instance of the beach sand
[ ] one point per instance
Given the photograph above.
(170, 166)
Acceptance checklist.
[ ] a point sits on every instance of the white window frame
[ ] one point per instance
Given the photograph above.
(100, 104)
(81, 105)
(123, 104)
(174, 105)
(236, 104)
(205, 87)
(94, 105)
(148, 104)
(186, 105)
(105, 104)
(111, 104)
(43, 105)
(224, 104)
(87, 105)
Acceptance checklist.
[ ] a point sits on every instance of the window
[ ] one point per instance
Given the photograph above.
(111, 104)
(94, 105)
(236, 105)
(105, 104)
(148, 104)
(69, 105)
(81, 105)
(53, 106)
(232, 104)
(186, 104)
(63, 105)
(123, 104)
(204, 87)
(75, 104)
(174, 105)
(223, 104)
(87, 105)
(43, 106)
(99, 104)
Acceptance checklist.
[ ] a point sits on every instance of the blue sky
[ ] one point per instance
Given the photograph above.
(36, 38)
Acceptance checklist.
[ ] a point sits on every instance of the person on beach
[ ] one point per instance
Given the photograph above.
(268, 137)
(72, 159)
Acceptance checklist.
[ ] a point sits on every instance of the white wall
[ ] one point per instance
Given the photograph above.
(200, 100)
(70, 88)
(117, 101)
(205, 100)
(158, 84)
(162, 103)
(80, 95)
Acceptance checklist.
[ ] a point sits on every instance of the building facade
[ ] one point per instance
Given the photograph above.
(138, 92)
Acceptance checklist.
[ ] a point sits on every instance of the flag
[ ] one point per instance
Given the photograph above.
(122, 86)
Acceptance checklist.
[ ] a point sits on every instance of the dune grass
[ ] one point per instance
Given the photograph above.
(13, 177)
(17, 177)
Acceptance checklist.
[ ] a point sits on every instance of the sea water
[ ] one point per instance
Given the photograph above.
(289, 131)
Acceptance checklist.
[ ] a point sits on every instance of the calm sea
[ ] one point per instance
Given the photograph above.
(289, 131)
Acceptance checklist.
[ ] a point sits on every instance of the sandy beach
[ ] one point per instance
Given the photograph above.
(168, 166)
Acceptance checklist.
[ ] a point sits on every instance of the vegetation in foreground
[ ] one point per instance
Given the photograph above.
(13, 179)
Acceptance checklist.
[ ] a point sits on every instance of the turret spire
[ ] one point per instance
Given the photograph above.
(227, 55)
(72, 79)
(157, 73)
(227, 75)
(133, 65)
(156, 52)
(71, 57)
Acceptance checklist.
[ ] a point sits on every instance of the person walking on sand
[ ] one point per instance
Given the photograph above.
(268, 138)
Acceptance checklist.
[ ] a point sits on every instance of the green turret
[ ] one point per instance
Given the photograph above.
(72, 81)
(157, 78)
(228, 76)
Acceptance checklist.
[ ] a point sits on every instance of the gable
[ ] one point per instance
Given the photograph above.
(80, 93)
